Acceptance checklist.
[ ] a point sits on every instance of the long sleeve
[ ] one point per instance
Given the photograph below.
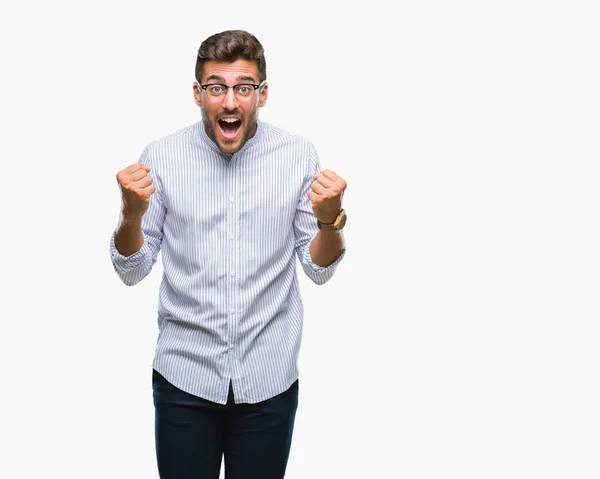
(132, 269)
(305, 229)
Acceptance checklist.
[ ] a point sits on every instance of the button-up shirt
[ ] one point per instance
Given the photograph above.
(229, 229)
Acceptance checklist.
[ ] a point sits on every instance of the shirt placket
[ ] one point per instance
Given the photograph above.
(231, 265)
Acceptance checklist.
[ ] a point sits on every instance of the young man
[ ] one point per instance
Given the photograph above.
(230, 201)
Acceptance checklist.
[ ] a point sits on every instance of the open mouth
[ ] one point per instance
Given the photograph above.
(230, 127)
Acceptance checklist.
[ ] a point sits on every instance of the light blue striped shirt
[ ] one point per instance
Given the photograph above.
(229, 228)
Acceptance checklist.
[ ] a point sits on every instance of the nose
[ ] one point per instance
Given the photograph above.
(230, 101)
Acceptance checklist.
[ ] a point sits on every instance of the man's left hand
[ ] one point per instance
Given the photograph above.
(326, 195)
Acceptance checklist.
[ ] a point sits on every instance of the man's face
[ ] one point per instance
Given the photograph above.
(230, 119)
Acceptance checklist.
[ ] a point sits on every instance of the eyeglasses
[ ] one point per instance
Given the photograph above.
(218, 91)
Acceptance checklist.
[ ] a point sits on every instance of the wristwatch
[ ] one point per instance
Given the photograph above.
(337, 225)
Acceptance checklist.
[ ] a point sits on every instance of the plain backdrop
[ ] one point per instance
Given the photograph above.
(459, 336)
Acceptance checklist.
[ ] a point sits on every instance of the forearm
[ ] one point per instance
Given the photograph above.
(129, 237)
(326, 247)
(134, 251)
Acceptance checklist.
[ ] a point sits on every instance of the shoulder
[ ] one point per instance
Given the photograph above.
(279, 137)
(165, 146)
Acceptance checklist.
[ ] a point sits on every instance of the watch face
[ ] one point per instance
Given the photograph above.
(342, 222)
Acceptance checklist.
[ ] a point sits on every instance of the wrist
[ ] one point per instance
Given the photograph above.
(131, 220)
(337, 224)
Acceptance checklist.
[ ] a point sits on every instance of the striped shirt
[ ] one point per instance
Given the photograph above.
(229, 229)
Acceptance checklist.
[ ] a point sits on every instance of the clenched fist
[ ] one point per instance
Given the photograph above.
(326, 195)
(136, 189)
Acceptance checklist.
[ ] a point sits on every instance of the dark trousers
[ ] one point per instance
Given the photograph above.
(193, 434)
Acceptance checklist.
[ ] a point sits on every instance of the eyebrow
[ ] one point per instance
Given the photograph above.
(241, 78)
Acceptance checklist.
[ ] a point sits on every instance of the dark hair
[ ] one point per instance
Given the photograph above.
(229, 46)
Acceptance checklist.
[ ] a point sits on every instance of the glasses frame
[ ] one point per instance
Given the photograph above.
(227, 87)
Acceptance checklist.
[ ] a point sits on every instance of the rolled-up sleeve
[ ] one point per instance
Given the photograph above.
(135, 267)
(305, 229)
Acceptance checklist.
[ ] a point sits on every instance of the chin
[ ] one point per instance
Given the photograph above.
(230, 149)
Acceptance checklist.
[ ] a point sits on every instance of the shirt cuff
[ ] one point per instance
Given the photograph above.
(320, 274)
(322, 269)
(124, 264)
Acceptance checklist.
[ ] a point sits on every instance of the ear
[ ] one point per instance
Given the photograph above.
(264, 93)
(197, 92)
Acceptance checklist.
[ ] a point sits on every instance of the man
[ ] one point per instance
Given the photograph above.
(230, 202)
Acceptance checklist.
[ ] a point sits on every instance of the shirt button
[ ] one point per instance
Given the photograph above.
(232, 199)
(232, 274)
(231, 237)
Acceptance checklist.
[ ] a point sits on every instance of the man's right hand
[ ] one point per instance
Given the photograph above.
(136, 189)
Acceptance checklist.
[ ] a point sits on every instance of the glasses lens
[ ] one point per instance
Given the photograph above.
(244, 92)
(216, 90)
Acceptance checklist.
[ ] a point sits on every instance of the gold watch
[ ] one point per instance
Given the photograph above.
(337, 225)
